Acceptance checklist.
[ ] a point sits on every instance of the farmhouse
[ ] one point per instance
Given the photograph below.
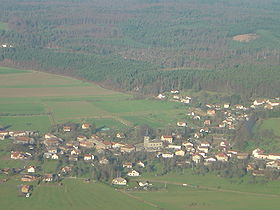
(175, 147)
(67, 128)
(127, 165)
(25, 188)
(119, 181)
(85, 126)
(116, 145)
(23, 140)
(274, 156)
(128, 148)
(222, 157)
(120, 135)
(16, 155)
(168, 139)
(31, 169)
(86, 144)
(48, 177)
(197, 158)
(88, 157)
(140, 164)
(133, 173)
(211, 112)
(167, 155)
(55, 157)
(29, 178)
(17, 133)
(180, 153)
(181, 124)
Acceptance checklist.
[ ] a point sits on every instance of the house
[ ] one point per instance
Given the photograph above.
(128, 148)
(85, 126)
(116, 145)
(273, 103)
(4, 134)
(167, 155)
(140, 164)
(210, 160)
(186, 100)
(25, 188)
(52, 142)
(75, 152)
(143, 184)
(31, 169)
(174, 91)
(127, 165)
(48, 177)
(226, 106)
(274, 156)
(175, 147)
(176, 97)
(81, 138)
(222, 125)
(88, 157)
(104, 161)
(187, 144)
(258, 102)
(73, 158)
(66, 169)
(222, 157)
(197, 158)
(17, 133)
(152, 144)
(28, 178)
(86, 144)
(180, 153)
(181, 124)
(205, 144)
(161, 96)
(268, 106)
(203, 149)
(207, 122)
(168, 139)
(119, 181)
(258, 173)
(16, 155)
(120, 135)
(23, 140)
(273, 164)
(242, 156)
(67, 128)
(55, 157)
(211, 112)
(133, 173)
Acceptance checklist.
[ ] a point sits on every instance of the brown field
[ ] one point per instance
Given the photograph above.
(245, 37)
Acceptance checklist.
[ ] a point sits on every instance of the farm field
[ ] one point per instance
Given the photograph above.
(270, 124)
(31, 100)
(73, 194)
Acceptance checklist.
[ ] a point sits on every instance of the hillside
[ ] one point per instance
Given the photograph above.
(126, 44)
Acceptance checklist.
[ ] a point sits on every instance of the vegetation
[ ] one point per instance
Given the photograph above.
(161, 46)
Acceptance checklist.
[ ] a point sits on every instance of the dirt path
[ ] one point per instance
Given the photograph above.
(139, 199)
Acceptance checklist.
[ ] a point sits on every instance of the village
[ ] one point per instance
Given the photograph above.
(202, 140)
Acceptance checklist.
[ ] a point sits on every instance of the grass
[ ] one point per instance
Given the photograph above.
(270, 124)
(73, 194)
(30, 123)
(21, 108)
(68, 99)
(6, 70)
(3, 26)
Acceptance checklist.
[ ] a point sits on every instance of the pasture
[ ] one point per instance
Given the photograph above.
(36, 100)
(73, 194)
(270, 124)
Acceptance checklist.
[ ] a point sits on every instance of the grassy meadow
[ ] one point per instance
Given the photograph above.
(31, 100)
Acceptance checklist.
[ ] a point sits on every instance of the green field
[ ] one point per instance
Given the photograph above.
(73, 194)
(34, 101)
(270, 124)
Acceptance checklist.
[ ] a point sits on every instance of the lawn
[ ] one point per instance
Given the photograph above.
(73, 194)
(30, 123)
(69, 99)
(6, 70)
(184, 198)
(271, 124)
(21, 108)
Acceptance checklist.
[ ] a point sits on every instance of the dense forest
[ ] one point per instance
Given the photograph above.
(148, 45)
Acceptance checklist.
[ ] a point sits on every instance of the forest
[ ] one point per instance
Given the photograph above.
(148, 46)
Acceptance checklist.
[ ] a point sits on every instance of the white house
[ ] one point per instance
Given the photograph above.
(133, 173)
(119, 181)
